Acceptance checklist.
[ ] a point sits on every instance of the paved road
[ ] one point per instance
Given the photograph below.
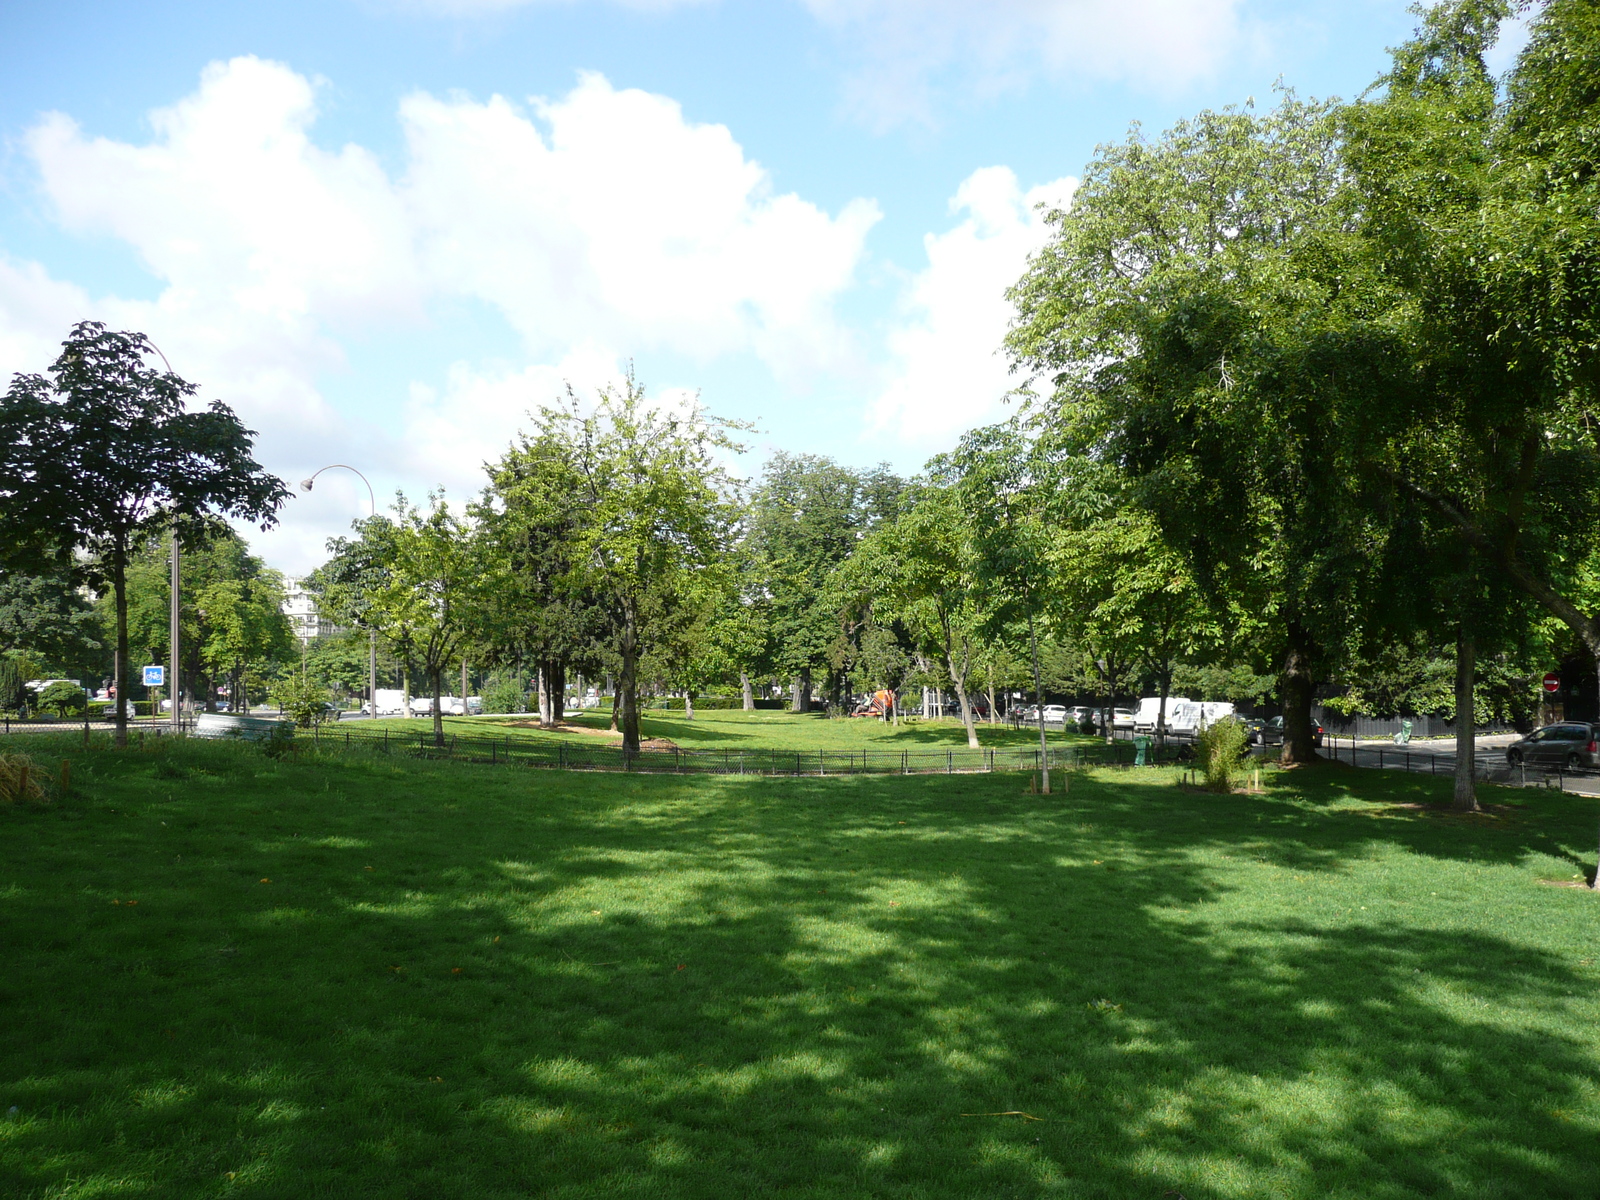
(1438, 757)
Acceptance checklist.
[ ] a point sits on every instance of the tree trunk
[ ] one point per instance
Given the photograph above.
(463, 687)
(405, 686)
(805, 689)
(544, 694)
(748, 691)
(438, 708)
(1165, 675)
(628, 683)
(960, 678)
(558, 691)
(119, 664)
(1038, 701)
(688, 704)
(1299, 740)
(1466, 789)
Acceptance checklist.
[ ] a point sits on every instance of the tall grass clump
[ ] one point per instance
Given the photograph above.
(19, 780)
(1218, 750)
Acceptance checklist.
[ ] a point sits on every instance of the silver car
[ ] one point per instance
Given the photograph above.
(1570, 744)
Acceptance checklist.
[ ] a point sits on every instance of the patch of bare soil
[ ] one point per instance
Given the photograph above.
(658, 744)
(564, 727)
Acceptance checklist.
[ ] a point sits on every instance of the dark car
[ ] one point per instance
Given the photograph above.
(1569, 744)
(1270, 733)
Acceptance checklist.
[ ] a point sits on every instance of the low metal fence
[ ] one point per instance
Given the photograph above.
(575, 756)
(1489, 764)
(564, 755)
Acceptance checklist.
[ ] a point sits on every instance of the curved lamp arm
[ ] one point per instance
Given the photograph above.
(305, 484)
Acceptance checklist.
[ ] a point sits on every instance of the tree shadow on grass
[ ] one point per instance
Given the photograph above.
(806, 987)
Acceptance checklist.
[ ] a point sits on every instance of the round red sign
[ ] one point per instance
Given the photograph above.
(1552, 682)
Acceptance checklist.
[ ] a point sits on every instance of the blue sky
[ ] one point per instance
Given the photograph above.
(385, 229)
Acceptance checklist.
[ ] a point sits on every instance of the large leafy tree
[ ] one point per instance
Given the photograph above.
(646, 512)
(1479, 210)
(1178, 320)
(918, 568)
(431, 592)
(44, 618)
(232, 621)
(103, 450)
(534, 618)
(806, 517)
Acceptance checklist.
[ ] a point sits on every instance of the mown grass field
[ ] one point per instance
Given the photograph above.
(731, 729)
(357, 976)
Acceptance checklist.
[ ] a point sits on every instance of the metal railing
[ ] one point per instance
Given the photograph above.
(336, 737)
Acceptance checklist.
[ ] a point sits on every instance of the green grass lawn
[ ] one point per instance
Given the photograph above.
(731, 729)
(358, 976)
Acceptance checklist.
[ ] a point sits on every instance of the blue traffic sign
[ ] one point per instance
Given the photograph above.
(155, 676)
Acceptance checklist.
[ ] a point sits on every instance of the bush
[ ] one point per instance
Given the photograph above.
(62, 698)
(301, 699)
(701, 703)
(502, 695)
(1218, 750)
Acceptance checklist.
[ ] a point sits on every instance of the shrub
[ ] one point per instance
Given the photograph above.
(301, 699)
(504, 695)
(1218, 749)
(62, 698)
(701, 703)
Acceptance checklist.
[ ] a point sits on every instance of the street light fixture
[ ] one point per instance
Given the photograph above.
(372, 634)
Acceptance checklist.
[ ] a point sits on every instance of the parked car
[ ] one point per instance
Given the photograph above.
(1569, 744)
(1123, 718)
(1055, 714)
(1271, 733)
(422, 706)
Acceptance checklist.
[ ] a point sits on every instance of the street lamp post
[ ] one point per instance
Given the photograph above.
(372, 634)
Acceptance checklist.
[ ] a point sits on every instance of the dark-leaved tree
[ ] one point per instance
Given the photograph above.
(103, 450)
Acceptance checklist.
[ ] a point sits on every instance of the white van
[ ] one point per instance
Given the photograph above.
(1144, 721)
(1191, 716)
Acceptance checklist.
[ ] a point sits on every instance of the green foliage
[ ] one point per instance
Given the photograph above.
(15, 672)
(1218, 750)
(701, 703)
(46, 617)
(105, 451)
(504, 694)
(431, 588)
(646, 514)
(805, 519)
(63, 698)
(302, 699)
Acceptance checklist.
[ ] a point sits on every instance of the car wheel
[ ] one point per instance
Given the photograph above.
(1514, 757)
(1573, 762)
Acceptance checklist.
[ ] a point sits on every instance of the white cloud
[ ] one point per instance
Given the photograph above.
(598, 223)
(949, 374)
(626, 223)
(905, 47)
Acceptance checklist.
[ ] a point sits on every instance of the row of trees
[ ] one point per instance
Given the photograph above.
(1309, 398)
(1342, 356)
